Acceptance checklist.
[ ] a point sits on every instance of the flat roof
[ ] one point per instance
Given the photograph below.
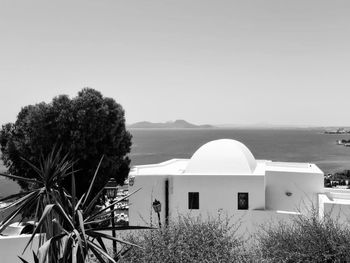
(170, 167)
(178, 167)
(334, 197)
(293, 167)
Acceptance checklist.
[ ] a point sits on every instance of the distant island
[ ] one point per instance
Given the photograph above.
(178, 124)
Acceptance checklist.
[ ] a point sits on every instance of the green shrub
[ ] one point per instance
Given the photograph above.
(306, 239)
(72, 227)
(188, 240)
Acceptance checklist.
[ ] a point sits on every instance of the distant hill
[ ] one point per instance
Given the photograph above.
(178, 124)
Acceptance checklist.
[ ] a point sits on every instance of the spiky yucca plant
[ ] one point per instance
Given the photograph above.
(49, 174)
(70, 224)
(79, 230)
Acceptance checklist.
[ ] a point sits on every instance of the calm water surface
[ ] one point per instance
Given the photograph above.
(298, 145)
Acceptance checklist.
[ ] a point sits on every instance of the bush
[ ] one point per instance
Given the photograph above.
(306, 239)
(86, 127)
(188, 240)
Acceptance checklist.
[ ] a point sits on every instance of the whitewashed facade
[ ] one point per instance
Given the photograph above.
(224, 177)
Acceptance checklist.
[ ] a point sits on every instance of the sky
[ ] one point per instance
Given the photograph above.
(220, 62)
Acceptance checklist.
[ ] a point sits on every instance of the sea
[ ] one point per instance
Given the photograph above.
(289, 145)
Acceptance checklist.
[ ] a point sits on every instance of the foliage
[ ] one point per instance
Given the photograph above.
(87, 127)
(51, 171)
(188, 240)
(79, 232)
(71, 225)
(306, 239)
(93, 259)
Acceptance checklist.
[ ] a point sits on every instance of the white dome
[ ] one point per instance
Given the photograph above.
(223, 156)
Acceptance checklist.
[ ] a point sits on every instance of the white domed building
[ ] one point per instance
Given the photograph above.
(223, 176)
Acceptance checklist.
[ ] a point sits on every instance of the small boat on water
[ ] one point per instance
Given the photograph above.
(346, 143)
(339, 142)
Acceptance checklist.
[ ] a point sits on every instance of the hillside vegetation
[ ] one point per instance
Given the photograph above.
(307, 239)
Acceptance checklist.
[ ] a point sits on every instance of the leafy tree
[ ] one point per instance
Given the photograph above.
(87, 127)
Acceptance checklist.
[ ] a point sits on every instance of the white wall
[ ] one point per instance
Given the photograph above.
(304, 187)
(219, 193)
(140, 203)
(215, 193)
(339, 212)
(335, 203)
(265, 218)
(12, 246)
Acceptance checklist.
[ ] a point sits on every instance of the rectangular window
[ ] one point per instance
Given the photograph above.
(243, 203)
(193, 200)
